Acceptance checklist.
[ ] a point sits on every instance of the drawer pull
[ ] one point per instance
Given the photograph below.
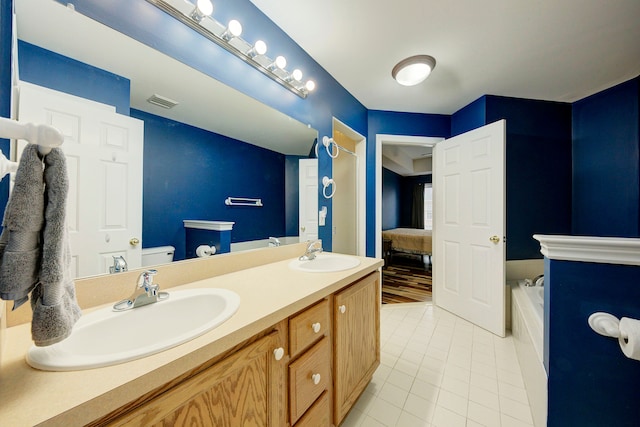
(316, 327)
(342, 308)
(316, 378)
(278, 353)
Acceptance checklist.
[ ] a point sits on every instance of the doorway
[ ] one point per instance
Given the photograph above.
(348, 170)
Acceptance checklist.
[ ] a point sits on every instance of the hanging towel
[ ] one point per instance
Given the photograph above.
(54, 304)
(20, 239)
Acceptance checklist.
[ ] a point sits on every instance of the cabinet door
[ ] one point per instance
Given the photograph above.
(233, 392)
(356, 341)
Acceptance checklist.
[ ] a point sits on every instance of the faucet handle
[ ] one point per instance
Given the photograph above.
(146, 278)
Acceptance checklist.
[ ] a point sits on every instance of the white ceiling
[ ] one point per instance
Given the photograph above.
(557, 50)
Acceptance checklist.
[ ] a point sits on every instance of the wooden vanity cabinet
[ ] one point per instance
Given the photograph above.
(244, 389)
(356, 341)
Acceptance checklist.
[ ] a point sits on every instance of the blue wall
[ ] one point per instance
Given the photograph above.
(538, 166)
(391, 200)
(606, 162)
(5, 87)
(194, 185)
(49, 69)
(591, 382)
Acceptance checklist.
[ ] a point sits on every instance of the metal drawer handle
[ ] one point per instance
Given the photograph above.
(316, 378)
(316, 327)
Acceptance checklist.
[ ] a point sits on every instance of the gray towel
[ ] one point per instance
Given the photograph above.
(20, 239)
(55, 309)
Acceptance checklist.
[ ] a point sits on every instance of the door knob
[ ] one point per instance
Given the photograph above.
(494, 239)
(134, 241)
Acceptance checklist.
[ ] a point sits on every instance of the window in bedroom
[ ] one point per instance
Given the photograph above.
(428, 207)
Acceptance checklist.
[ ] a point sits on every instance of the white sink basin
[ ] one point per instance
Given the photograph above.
(106, 337)
(325, 263)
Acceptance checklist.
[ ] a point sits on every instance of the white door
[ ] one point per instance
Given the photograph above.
(308, 199)
(469, 247)
(104, 161)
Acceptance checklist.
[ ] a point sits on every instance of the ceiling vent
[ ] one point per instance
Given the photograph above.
(162, 101)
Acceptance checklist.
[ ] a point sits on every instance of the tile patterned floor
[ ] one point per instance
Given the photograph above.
(438, 370)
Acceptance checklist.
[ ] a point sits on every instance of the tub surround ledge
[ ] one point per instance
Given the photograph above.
(269, 291)
(602, 250)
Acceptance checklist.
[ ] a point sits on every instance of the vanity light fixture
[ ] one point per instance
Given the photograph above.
(413, 70)
(196, 14)
(234, 29)
(203, 8)
(259, 48)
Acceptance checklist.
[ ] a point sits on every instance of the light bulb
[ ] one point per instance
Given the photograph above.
(280, 62)
(310, 85)
(297, 75)
(260, 48)
(203, 8)
(234, 29)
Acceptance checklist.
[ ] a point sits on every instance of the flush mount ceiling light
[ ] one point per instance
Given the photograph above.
(413, 70)
(197, 15)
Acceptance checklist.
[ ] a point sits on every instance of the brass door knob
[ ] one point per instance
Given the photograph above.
(494, 239)
(134, 241)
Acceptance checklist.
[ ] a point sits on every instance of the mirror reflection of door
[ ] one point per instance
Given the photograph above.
(308, 199)
(104, 163)
(345, 200)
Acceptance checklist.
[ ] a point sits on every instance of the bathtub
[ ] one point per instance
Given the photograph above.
(262, 243)
(527, 328)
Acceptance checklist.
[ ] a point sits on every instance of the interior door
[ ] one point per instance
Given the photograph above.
(104, 161)
(308, 199)
(469, 246)
(345, 204)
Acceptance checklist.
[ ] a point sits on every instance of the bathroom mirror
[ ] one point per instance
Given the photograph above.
(203, 103)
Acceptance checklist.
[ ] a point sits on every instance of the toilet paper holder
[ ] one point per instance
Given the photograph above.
(605, 324)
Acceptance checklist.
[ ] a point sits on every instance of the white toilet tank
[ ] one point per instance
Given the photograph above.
(157, 255)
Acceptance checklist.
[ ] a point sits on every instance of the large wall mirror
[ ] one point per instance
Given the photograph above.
(215, 143)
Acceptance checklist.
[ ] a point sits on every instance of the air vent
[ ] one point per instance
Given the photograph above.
(162, 101)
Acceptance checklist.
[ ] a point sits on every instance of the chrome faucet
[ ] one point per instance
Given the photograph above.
(146, 292)
(119, 264)
(314, 247)
(274, 241)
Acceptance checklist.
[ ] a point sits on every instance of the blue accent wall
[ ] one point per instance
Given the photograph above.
(469, 117)
(538, 166)
(5, 87)
(591, 382)
(195, 184)
(538, 170)
(49, 69)
(606, 162)
(391, 200)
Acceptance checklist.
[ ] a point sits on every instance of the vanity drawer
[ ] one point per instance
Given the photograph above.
(309, 376)
(308, 326)
(319, 415)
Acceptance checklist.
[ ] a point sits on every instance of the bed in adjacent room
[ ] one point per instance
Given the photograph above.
(408, 240)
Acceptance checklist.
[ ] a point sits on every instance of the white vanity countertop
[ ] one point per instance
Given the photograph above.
(269, 294)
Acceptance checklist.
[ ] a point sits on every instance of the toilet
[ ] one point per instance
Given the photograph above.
(157, 255)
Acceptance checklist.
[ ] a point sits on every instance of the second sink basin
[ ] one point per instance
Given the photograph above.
(105, 337)
(326, 262)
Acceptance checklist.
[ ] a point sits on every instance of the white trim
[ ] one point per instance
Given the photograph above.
(604, 250)
(427, 141)
(209, 225)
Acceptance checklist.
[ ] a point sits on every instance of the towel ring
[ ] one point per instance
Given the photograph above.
(326, 182)
(327, 142)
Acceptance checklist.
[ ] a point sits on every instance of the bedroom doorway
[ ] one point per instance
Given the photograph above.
(404, 210)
